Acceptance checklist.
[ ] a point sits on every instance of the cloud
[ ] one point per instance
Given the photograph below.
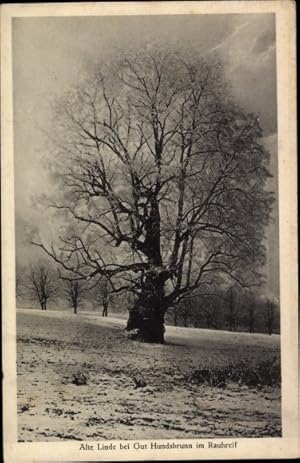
(229, 38)
(249, 56)
(264, 41)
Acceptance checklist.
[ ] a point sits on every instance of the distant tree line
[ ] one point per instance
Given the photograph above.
(232, 308)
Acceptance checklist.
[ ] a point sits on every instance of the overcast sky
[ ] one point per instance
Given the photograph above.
(51, 54)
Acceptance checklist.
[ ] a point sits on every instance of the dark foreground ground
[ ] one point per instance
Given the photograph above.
(80, 378)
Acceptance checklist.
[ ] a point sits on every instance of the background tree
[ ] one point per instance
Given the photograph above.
(160, 165)
(269, 316)
(102, 294)
(185, 312)
(210, 310)
(74, 290)
(232, 310)
(251, 312)
(175, 312)
(42, 285)
(185, 309)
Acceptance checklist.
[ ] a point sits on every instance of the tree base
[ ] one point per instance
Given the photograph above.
(146, 325)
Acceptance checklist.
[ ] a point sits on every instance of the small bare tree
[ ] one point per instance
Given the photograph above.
(251, 312)
(74, 290)
(42, 285)
(103, 295)
(270, 316)
(211, 315)
(232, 310)
(175, 312)
(207, 307)
(185, 311)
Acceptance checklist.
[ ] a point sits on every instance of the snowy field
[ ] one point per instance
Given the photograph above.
(80, 378)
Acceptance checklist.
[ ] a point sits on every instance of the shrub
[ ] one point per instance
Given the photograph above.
(79, 379)
(265, 373)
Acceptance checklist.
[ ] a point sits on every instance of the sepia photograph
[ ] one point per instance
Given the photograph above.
(146, 206)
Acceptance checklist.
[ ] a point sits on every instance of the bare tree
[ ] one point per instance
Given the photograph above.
(211, 314)
(185, 312)
(102, 294)
(251, 313)
(42, 285)
(232, 310)
(74, 290)
(269, 316)
(207, 308)
(161, 166)
(175, 312)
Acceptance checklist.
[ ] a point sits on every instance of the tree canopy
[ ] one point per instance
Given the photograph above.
(163, 180)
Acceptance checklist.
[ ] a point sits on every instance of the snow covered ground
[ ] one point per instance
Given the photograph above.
(80, 378)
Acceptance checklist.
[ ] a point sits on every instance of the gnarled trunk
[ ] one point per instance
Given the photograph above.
(146, 317)
(146, 324)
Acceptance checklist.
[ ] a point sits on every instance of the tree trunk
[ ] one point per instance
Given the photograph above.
(105, 309)
(146, 324)
(185, 320)
(270, 329)
(251, 323)
(146, 317)
(208, 321)
(175, 318)
(75, 308)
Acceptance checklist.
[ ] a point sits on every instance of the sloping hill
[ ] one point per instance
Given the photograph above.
(79, 377)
